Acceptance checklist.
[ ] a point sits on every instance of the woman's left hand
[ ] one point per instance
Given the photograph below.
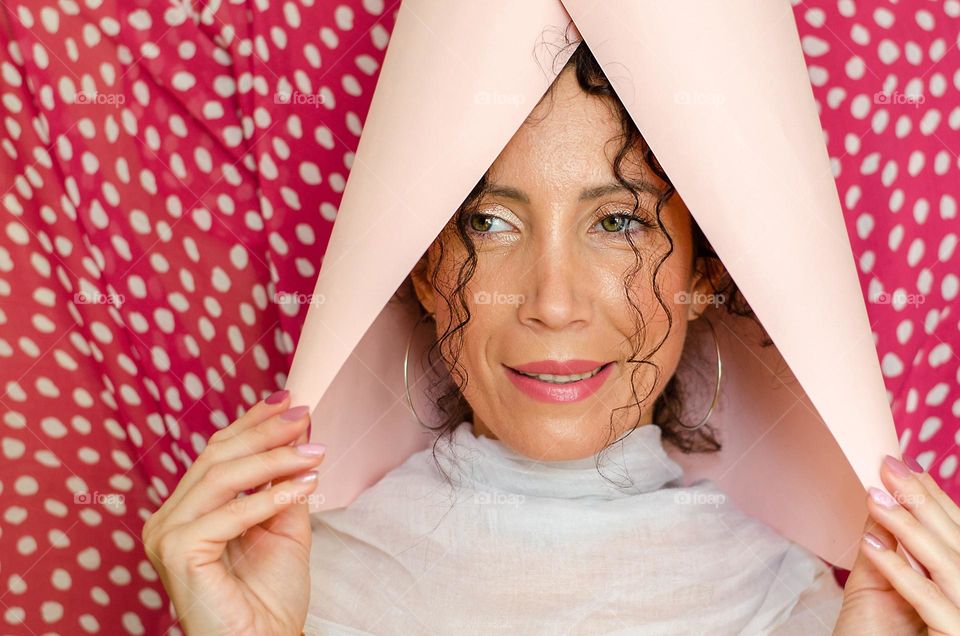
(884, 594)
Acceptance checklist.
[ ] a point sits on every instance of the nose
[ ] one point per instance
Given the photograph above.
(555, 288)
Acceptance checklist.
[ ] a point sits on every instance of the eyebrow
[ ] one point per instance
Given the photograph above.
(587, 194)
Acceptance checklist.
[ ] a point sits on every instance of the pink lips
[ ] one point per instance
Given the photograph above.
(553, 392)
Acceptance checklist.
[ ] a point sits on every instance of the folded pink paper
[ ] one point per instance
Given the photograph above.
(721, 94)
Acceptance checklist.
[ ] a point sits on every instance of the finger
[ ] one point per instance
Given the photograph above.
(949, 505)
(294, 522)
(261, 411)
(224, 481)
(274, 403)
(864, 574)
(278, 430)
(206, 537)
(915, 496)
(938, 558)
(938, 612)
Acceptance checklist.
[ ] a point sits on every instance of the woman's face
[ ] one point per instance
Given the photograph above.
(549, 285)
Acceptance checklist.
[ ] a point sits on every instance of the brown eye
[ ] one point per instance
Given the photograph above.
(613, 223)
(480, 222)
(623, 223)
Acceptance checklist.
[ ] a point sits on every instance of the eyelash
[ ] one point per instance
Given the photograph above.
(626, 216)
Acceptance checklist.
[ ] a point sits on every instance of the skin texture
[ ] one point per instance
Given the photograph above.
(240, 566)
(568, 268)
(884, 595)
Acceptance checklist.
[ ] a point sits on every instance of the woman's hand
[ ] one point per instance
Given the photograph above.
(884, 594)
(240, 566)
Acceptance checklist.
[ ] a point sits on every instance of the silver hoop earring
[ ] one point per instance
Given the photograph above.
(406, 363)
(716, 392)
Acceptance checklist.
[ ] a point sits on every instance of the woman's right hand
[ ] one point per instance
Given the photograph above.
(241, 565)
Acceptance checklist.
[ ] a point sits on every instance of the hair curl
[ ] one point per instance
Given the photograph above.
(451, 402)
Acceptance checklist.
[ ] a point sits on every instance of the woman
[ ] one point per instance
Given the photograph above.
(551, 506)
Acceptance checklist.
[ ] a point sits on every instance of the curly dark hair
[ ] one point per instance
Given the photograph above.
(450, 400)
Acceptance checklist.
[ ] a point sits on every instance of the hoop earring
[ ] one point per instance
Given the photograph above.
(406, 362)
(716, 392)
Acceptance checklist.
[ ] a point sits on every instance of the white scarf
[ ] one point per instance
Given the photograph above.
(527, 547)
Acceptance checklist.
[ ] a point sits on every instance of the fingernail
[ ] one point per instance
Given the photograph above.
(305, 478)
(882, 498)
(294, 414)
(912, 462)
(898, 467)
(312, 450)
(873, 541)
(278, 397)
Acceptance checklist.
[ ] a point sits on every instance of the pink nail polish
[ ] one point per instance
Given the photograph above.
(295, 413)
(898, 467)
(882, 498)
(873, 541)
(306, 478)
(277, 398)
(312, 450)
(912, 462)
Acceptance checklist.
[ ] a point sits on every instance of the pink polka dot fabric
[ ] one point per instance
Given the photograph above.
(170, 175)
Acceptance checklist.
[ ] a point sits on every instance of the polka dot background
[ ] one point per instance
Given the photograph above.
(171, 171)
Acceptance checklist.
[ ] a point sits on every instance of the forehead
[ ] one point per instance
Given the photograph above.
(569, 139)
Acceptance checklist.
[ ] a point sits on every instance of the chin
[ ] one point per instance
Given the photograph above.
(553, 439)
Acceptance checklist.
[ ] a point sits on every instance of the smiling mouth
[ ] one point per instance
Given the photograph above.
(562, 379)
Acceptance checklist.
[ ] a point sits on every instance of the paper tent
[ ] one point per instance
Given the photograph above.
(804, 424)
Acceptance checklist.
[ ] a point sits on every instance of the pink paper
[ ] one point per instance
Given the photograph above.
(721, 94)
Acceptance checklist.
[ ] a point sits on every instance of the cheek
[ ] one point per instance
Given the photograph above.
(653, 299)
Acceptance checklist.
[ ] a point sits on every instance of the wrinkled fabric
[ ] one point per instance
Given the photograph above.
(154, 233)
(513, 545)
